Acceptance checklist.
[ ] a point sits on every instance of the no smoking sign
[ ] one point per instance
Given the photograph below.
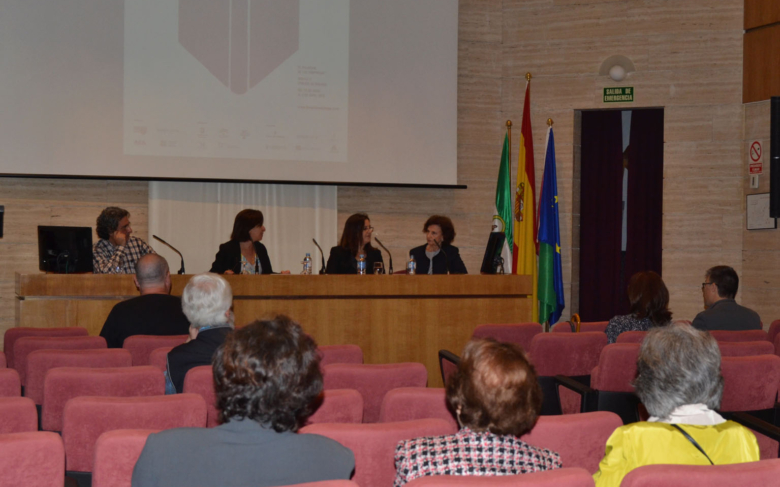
(756, 154)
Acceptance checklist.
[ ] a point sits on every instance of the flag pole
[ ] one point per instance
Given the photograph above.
(509, 135)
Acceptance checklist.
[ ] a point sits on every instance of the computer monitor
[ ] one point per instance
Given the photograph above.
(65, 250)
(492, 259)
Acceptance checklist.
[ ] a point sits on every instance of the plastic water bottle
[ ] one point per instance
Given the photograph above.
(411, 266)
(306, 264)
(361, 265)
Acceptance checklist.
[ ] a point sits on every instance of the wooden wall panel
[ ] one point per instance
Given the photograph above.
(761, 12)
(761, 71)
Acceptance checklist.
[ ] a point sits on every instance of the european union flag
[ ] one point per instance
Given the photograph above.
(551, 302)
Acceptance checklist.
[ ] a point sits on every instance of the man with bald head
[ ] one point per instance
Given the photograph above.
(154, 312)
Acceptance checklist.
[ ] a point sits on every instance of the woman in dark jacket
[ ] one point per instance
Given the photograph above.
(446, 259)
(244, 254)
(355, 241)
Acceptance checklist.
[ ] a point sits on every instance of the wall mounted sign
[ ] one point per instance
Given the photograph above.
(619, 95)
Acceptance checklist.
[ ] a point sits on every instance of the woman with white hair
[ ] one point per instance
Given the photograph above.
(206, 302)
(680, 384)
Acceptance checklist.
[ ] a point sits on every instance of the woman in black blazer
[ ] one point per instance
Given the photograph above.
(355, 241)
(446, 258)
(243, 253)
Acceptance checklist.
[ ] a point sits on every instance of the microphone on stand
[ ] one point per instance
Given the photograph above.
(181, 270)
(390, 269)
(446, 260)
(322, 256)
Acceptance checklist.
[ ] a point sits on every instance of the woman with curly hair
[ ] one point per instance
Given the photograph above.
(438, 255)
(266, 377)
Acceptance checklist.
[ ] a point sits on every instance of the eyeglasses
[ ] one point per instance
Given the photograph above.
(367, 228)
(706, 284)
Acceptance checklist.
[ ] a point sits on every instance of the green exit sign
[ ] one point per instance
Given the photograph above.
(619, 95)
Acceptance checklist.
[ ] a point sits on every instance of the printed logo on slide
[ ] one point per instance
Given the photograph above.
(239, 41)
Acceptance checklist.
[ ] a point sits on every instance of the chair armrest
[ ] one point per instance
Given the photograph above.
(446, 355)
(574, 385)
(758, 425)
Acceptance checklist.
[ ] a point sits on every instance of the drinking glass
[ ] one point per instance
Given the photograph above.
(379, 268)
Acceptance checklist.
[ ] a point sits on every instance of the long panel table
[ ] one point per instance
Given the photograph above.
(395, 318)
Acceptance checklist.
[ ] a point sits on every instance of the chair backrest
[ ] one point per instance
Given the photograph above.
(409, 403)
(40, 361)
(340, 354)
(740, 336)
(745, 349)
(17, 415)
(578, 438)
(26, 345)
(3, 363)
(35, 459)
(765, 472)
(374, 444)
(13, 334)
(562, 477)
(10, 385)
(65, 383)
(159, 358)
(373, 382)
(338, 406)
(518, 333)
(86, 418)
(774, 329)
(448, 365)
(141, 346)
(590, 326)
(750, 383)
(330, 483)
(200, 380)
(616, 369)
(570, 354)
(115, 455)
(631, 337)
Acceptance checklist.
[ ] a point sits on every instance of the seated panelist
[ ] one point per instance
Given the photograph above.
(438, 255)
(243, 253)
(355, 241)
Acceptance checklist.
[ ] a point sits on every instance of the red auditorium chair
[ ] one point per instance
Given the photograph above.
(13, 334)
(26, 345)
(86, 418)
(17, 415)
(373, 381)
(765, 472)
(562, 477)
(65, 383)
(340, 354)
(3, 363)
(338, 406)
(631, 337)
(374, 444)
(115, 455)
(578, 438)
(565, 327)
(35, 459)
(159, 358)
(409, 403)
(774, 329)
(610, 383)
(740, 336)
(141, 346)
(448, 364)
(40, 361)
(519, 333)
(329, 483)
(200, 380)
(10, 386)
(570, 354)
(746, 349)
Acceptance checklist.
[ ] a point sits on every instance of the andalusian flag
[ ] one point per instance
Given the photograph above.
(551, 301)
(503, 216)
(524, 249)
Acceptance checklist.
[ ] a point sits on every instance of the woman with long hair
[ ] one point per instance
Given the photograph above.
(649, 300)
(355, 242)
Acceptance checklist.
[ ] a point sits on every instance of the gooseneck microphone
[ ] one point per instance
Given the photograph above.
(322, 256)
(389, 255)
(446, 260)
(181, 270)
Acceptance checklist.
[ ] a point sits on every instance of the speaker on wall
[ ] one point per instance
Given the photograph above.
(774, 163)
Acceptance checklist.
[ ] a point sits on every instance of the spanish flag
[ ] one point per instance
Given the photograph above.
(524, 249)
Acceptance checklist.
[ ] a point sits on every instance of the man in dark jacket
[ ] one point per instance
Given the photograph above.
(722, 312)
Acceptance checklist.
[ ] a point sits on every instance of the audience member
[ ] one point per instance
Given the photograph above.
(497, 399)
(116, 252)
(649, 300)
(721, 311)
(680, 384)
(154, 312)
(267, 377)
(207, 301)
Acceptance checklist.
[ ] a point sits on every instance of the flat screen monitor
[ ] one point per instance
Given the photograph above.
(492, 259)
(65, 250)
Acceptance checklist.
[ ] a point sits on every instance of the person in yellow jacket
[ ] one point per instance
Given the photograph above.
(680, 384)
